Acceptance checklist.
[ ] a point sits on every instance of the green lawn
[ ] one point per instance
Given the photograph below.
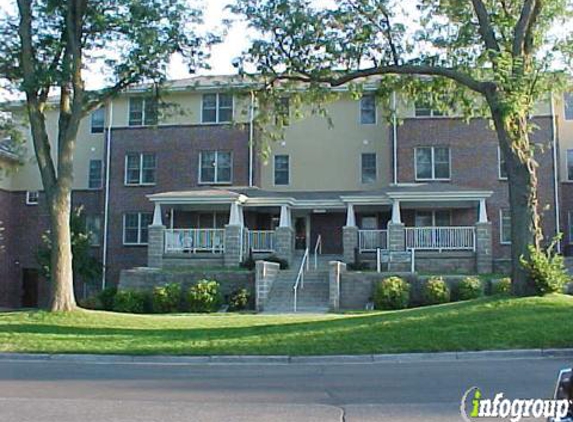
(477, 325)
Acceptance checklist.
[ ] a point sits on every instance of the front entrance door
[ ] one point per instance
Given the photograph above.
(300, 233)
(329, 227)
(30, 280)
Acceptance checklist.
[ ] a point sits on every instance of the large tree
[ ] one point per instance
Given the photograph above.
(490, 57)
(47, 45)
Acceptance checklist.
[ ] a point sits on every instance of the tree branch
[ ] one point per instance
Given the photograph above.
(523, 27)
(485, 26)
(422, 70)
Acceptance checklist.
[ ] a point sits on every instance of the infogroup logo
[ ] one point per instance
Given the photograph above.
(474, 406)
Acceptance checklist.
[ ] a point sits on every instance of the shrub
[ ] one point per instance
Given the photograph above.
(130, 301)
(106, 298)
(436, 291)
(167, 298)
(239, 300)
(470, 288)
(546, 269)
(91, 302)
(392, 293)
(204, 296)
(501, 287)
(282, 262)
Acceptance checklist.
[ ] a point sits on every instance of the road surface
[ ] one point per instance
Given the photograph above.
(52, 391)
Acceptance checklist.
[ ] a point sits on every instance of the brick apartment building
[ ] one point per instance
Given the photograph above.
(193, 188)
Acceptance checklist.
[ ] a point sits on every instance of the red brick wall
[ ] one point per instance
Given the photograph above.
(474, 163)
(177, 151)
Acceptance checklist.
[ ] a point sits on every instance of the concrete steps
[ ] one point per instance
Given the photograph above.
(312, 298)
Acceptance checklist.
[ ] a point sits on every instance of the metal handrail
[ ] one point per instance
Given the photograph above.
(317, 250)
(300, 275)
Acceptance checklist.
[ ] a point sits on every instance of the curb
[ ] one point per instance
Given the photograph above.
(290, 360)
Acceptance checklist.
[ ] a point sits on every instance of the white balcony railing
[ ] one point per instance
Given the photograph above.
(441, 238)
(194, 240)
(371, 240)
(260, 240)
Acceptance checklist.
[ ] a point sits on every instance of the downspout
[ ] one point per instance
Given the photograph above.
(106, 203)
(556, 172)
(395, 137)
(251, 139)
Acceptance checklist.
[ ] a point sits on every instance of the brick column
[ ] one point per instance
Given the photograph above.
(335, 270)
(349, 242)
(155, 246)
(396, 237)
(484, 257)
(232, 255)
(265, 275)
(284, 237)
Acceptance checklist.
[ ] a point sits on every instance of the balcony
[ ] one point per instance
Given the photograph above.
(441, 238)
(194, 241)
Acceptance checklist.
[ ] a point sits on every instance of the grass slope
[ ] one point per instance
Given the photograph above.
(475, 325)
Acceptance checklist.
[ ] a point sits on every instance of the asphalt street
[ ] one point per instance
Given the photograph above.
(61, 391)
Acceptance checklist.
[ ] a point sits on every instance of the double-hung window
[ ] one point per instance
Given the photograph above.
(424, 109)
(93, 229)
(140, 169)
(570, 164)
(98, 120)
(368, 110)
(568, 102)
(142, 111)
(501, 163)
(438, 218)
(504, 227)
(217, 108)
(135, 227)
(282, 170)
(32, 197)
(432, 163)
(215, 167)
(95, 174)
(570, 226)
(368, 168)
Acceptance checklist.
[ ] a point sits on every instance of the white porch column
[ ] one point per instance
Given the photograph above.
(235, 216)
(350, 216)
(396, 216)
(242, 215)
(157, 217)
(482, 211)
(285, 220)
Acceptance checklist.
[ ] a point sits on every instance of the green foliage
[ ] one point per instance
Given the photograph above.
(167, 298)
(392, 293)
(436, 291)
(85, 266)
(204, 297)
(131, 301)
(106, 298)
(547, 269)
(239, 300)
(501, 287)
(90, 302)
(469, 288)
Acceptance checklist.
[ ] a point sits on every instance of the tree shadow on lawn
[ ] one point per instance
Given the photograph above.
(475, 325)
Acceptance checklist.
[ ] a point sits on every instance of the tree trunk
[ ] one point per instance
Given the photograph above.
(521, 169)
(62, 279)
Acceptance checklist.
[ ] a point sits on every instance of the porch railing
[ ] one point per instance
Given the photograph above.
(441, 238)
(260, 240)
(372, 240)
(194, 240)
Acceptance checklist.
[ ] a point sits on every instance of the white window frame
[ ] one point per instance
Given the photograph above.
(217, 109)
(30, 200)
(566, 96)
(274, 169)
(139, 218)
(94, 241)
(98, 129)
(375, 110)
(144, 106)
(432, 115)
(140, 183)
(500, 177)
(433, 164)
(216, 181)
(501, 241)
(433, 212)
(100, 175)
(362, 168)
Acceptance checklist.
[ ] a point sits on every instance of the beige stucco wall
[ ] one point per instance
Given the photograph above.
(324, 158)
